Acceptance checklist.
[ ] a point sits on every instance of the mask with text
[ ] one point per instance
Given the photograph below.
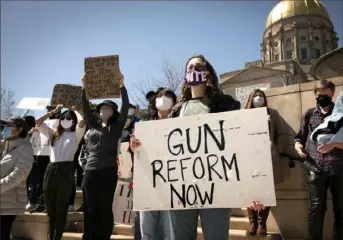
(196, 76)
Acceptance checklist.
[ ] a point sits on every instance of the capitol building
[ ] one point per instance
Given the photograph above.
(297, 33)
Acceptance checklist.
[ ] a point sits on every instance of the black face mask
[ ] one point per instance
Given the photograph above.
(324, 100)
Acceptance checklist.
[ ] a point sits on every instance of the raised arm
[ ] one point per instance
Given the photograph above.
(124, 106)
(44, 128)
(81, 126)
(88, 115)
(43, 118)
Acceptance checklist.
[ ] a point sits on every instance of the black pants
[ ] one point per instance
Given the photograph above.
(6, 222)
(73, 189)
(57, 190)
(98, 193)
(317, 186)
(36, 177)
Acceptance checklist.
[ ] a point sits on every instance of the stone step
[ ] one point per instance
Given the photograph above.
(77, 236)
(236, 212)
(234, 235)
(236, 223)
(239, 212)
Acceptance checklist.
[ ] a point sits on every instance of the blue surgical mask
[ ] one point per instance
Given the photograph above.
(7, 132)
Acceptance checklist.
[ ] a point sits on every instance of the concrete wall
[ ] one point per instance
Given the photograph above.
(290, 213)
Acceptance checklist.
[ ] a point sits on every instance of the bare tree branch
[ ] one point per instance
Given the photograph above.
(7, 104)
(172, 79)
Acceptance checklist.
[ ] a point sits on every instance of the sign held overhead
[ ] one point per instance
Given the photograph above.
(66, 94)
(103, 77)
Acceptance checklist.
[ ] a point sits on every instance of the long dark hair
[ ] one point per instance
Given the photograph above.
(58, 133)
(249, 103)
(212, 84)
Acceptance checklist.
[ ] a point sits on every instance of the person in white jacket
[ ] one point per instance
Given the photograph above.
(15, 166)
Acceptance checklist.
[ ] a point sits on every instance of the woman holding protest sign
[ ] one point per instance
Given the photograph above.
(277, 132)
(58, 179)
(101, 172)
(156, 224)
(201, 95)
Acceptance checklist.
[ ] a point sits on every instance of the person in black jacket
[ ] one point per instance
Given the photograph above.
(101, 172)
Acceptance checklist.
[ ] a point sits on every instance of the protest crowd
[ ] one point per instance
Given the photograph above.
(81, 145)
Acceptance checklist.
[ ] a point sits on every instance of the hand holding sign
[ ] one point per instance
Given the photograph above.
(84, 80)
(134, 143)
(256, 205)
(58, 108)
(121, 80)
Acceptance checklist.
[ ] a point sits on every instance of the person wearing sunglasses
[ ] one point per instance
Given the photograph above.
(58, 179)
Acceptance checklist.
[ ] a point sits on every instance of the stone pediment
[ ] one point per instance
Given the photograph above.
(252, 73)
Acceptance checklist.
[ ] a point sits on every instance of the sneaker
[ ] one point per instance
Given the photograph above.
(71, 208)
(38, 209)
(30, 206)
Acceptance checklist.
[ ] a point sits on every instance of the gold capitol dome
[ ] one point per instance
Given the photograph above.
(290, 8)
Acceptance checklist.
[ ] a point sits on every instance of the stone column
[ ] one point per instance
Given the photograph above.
(310, 41)
(295, 46)
(323, 39)
(282, 49)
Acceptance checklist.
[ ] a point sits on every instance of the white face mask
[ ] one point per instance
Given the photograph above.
(164, 103)
(258, 101)
(105, 114)
(66, 124)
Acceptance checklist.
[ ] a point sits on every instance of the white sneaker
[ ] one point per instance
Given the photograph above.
(30, 206)
(71, 208)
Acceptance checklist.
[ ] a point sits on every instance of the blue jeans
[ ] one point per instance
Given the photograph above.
(214, 222)
(137, 228)
(155, 225)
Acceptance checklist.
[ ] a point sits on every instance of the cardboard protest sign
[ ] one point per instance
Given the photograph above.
(125, 163)
(68, 95)
(122, 205)
(103, 77)
(219, 160)
(33, 103)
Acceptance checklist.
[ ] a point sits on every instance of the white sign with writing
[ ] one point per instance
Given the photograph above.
(125, 162)
(40, 143)
(242, 93)
(122, 205)
(33, 103)
(208, 161)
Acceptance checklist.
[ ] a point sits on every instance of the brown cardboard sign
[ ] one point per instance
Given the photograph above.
(103, 77)
(66, 94)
